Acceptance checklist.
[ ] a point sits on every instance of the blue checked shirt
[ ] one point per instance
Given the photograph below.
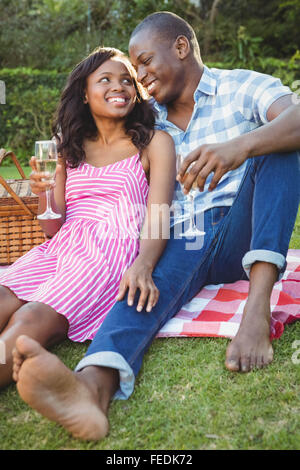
(228, 103)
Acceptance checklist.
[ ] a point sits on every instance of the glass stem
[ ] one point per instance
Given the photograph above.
(192, 211)
(48, 199)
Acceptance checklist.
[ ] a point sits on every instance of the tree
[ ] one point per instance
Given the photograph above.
(209, 29)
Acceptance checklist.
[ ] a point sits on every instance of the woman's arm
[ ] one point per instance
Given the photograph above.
(156, 227)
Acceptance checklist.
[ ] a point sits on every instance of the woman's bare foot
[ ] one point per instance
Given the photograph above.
(251, 348)
(56, 392)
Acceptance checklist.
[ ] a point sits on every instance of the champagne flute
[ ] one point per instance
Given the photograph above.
(46, 159)
(192, 231)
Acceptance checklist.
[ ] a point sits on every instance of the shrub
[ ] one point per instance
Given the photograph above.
(32, 96)
(31, 99)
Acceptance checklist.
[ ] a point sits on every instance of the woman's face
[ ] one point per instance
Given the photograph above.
(110, 90)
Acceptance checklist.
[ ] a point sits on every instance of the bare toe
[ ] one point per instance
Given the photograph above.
(245, 363)
(18, 359)
(27, 347)
(232, 362)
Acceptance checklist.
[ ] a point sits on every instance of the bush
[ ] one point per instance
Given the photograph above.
(31, 99)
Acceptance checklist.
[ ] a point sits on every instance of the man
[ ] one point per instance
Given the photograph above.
(220, 120)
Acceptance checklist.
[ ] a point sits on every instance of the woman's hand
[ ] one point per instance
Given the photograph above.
(138, 276)
(40, 181)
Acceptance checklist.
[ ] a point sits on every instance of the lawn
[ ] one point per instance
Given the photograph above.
(184, 399)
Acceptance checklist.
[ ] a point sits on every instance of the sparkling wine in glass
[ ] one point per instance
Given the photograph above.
(192, 230)
(46, 159)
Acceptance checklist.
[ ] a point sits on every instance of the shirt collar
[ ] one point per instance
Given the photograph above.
(207, 86)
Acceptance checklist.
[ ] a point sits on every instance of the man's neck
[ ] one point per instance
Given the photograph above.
(180, 110)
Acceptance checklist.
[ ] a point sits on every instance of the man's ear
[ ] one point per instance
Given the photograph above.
(182, 46)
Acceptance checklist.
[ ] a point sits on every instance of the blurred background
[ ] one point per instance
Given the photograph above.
(42, 40)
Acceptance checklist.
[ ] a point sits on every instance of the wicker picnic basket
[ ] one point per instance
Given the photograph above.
(19, 228)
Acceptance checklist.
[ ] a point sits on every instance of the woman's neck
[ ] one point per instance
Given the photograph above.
(110, 131)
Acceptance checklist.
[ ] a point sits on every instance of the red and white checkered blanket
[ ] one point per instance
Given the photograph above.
(217, 309)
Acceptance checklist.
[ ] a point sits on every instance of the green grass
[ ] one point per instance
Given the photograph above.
(184, 399)
(9, 172)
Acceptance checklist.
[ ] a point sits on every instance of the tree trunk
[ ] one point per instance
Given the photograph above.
(212, 16)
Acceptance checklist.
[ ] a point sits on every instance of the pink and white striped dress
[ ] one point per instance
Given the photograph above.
(79, 270)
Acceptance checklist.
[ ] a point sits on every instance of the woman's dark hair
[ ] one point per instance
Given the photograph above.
(74, 121)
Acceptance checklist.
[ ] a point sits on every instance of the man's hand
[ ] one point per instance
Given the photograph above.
(216, 158)
(139, 277)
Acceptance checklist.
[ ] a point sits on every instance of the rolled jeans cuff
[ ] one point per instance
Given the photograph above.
(268, 257)
(115, 361)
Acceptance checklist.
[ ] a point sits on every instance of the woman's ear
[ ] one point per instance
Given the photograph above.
(182, 46)
(85, 99)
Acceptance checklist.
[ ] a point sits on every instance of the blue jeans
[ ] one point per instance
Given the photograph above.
(257, 227)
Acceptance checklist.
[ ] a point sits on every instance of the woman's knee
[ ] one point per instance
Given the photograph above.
(5, 294)
(30, 313)
(42, 321)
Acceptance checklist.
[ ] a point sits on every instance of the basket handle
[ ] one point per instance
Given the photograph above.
(4, 154)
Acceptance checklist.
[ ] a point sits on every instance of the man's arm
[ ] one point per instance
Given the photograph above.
(280, 134)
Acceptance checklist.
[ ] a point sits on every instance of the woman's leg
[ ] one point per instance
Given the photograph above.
(37, 320)
(9, 304)
(78, 401)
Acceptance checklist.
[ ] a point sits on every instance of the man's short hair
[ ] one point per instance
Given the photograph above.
(169, 26)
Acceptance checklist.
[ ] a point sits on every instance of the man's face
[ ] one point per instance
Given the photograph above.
(158, 66)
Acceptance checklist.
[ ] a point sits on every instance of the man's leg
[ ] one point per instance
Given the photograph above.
(79, 400)
(126, 334)
(255, 239)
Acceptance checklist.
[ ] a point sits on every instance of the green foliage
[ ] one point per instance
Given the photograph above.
(245, 49)
(31, 99)
(275, 21)
(33, 95)
(54, 35)
(32, 32)
(62, 32)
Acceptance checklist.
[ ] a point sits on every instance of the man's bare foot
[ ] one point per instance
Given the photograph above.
(251, 347)
(56, 392)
